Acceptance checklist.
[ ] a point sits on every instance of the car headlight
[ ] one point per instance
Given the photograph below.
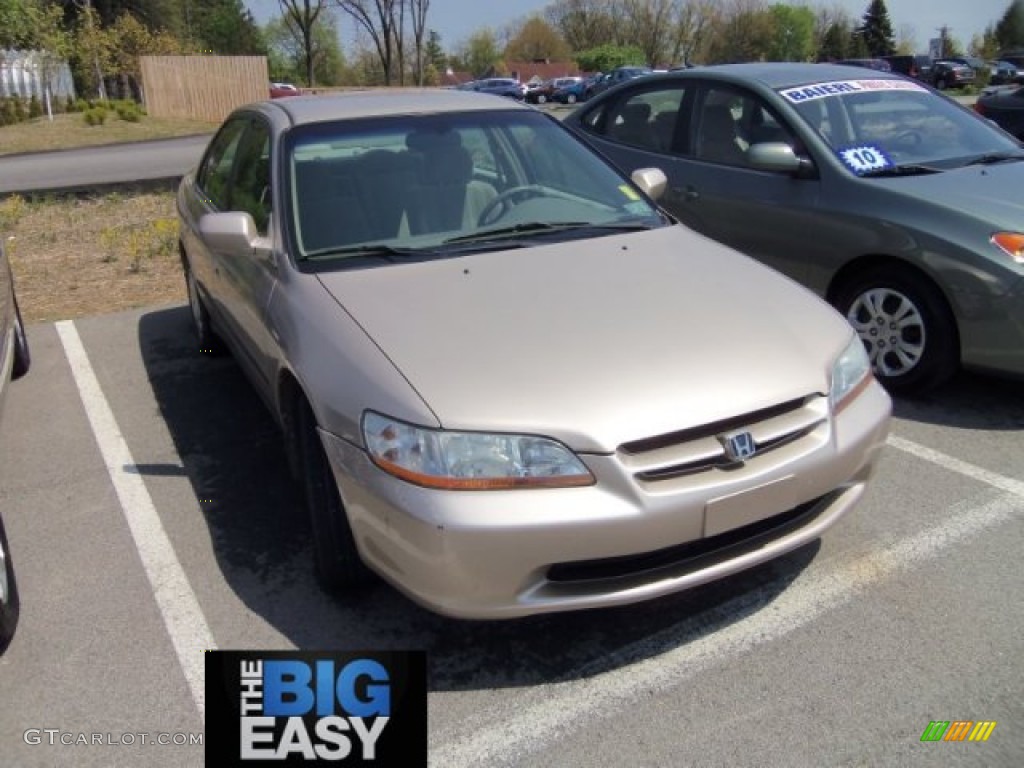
(851, 373)
(1012, 243)
(470, 460)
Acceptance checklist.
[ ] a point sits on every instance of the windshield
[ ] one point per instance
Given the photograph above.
(433, 185)
(877, 125)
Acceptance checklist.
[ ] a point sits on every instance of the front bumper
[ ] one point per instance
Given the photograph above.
(505, 554)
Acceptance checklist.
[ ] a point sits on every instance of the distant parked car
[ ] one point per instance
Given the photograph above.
(951, 74)
(501, 86)
(897, 205)
(979, 65)
(880, 64)
(1004, 107)
(618, 75)
(279, 90)
(918, 67)
(545, 92)
(570, 94)
(14, 359)
(1004, 73)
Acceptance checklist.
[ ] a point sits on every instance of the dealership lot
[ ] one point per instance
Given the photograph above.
(151, 517)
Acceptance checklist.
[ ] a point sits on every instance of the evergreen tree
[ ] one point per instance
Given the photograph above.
(876, 30)
(224, 27)
(1010, 29)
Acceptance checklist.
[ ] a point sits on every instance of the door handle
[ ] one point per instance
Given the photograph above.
(688, 193)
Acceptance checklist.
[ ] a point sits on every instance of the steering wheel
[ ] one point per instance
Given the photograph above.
(909, 139)
(497, 208)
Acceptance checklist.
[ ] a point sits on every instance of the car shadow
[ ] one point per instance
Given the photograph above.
(233, 456)
(968, 401)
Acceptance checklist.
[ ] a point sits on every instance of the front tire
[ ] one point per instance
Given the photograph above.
(22, 357)
(571, 98)
(10, 603)
(906, 325)
(337, 560)
(209, 342)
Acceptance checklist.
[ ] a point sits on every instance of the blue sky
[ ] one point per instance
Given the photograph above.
(456, 20)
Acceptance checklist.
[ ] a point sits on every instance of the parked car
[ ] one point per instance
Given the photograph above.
(501, 86)
(979, 65)
(15, 360)
(1004, 73)
(473, 332)
(280, 90)
(1005, 107)
(916, 66)
(880, 64)
(899, 206)
(951, 74)
(545, 92)
(570, 94)
(617, 76)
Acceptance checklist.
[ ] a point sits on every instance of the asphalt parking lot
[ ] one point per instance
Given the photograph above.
(151, 517)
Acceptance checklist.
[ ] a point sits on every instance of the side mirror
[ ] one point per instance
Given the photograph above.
(652, 181)
(777, 157)
(233, 233)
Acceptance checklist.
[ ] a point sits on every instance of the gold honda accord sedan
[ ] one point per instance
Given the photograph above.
(507, 382)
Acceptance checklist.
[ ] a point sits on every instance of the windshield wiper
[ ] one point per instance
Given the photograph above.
(544, 227)
(515, 229)
(368, 250)
(995, 157)
(909, 169)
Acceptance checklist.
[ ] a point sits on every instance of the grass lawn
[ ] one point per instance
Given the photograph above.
(84, 255)
(70, 130)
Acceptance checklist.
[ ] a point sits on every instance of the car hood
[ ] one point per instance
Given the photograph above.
(596, 342)
(987, 192)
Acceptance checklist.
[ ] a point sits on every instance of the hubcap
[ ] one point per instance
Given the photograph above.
(892, 329)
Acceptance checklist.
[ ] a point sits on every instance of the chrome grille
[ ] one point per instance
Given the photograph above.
(697, 451)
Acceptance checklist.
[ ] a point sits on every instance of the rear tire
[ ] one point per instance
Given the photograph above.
(337, 560)
(209, 342)
(906, 325)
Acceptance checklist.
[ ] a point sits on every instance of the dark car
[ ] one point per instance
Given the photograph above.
(578, 91)
(546, 91)
(616, 76)
(899, 206)
(951, 74)
(14, 359)
(880, 64)
(916, 66)
(1004, 107)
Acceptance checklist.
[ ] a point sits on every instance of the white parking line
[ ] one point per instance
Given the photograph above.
(178, 605)
(533, 721)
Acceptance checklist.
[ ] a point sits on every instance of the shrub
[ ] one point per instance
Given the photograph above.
(69, 104)
(127, 111)
(95, 116)
(20, 113)
(35, 109)
(81, 105)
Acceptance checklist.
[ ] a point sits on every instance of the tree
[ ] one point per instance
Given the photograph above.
(54, 44)
(584, 24)
(876, 30)
(434, 54)
(536, 40)
(418, 11)
(224, 27)
(302, 16)
(794, 33)
(690, 29)
(1009, 31)
(131, 39)
(744, 33)
(649, 25)
(480, 54)
(605, 58)
(16, 24)
(92, 52)
(382, 20)
(286, 51)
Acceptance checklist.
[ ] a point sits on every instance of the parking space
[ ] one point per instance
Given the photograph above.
(839, 654)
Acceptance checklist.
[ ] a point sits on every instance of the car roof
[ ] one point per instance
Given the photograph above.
(781, 74)
(380, 103)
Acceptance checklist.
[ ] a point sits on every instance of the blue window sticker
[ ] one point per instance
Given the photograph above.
(864, 159)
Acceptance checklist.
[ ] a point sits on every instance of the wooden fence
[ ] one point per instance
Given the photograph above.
(202, 87)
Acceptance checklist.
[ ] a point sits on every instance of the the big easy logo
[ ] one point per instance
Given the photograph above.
(269, 708)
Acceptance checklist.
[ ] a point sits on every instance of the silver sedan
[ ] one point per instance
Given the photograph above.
(506, 381)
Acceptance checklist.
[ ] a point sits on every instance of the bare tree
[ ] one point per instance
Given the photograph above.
(649, 22)
(382, 21)
(418, 12)
(585, 24)
(302, 16)
(694, 19)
